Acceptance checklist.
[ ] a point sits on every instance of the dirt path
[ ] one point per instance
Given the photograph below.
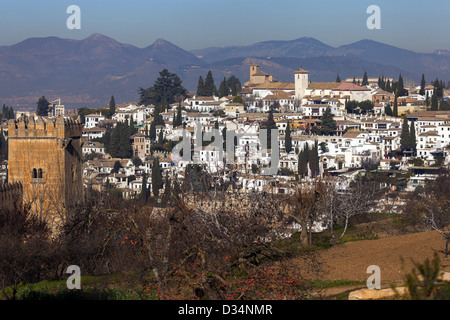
(349, 261)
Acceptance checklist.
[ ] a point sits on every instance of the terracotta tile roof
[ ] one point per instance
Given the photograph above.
(323, 85)
(276, 86)
(349, 86)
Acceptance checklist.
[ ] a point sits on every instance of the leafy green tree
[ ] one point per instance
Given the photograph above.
(365, 106)
(164, 91)
(120, 142)
(42, 107)
(238, 99)
(137, 162)
(323, 146)
(338, 78)
(117, 166)
(328, 126)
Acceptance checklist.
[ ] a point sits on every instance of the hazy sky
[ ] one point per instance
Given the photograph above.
(417, 25)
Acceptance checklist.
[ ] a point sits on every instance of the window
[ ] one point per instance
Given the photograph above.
(36, 175)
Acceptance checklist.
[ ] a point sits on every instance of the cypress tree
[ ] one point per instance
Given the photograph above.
(434, 102)
(179, 116)
(400, 85)
(200, 87)
(365, 81)
(156, 178)
(167, 190)
(152, 133)
(234, 85)
(112, 105)
(157, 117)
(422, 85)
(161, 137)
(412, 138)
(388, 110)
(405, 141)
(224, 91)
(388, 86)
(303, 161)
(288, 139)
(313, 159)
(144, 191)
(338, 78)
(395, 111)
(3, 146)
(270, 124)
(210, 87)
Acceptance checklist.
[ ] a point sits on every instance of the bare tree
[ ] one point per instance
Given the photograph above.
(25, 248)
(356, 198)
(429, 207)
(306, 205)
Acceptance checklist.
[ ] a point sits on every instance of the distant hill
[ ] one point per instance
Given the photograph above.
(84, 72)
(299, 48)
(432, 64)
(87, 72)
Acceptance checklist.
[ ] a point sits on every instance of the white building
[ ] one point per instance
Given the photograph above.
(92, 120)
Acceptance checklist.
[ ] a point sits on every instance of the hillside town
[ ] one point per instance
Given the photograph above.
(332, 117)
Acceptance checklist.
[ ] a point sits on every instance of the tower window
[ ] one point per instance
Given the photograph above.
(36, 175)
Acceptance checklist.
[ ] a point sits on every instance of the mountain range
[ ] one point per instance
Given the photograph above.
(87, 72)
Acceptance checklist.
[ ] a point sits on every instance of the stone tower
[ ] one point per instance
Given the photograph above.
(45, 157)
(301, 83)
(254, 68)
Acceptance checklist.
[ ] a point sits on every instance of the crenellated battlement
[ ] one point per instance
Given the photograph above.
(41, 127)
(11, 194)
